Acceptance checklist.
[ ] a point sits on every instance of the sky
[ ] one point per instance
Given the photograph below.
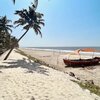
(67, 22)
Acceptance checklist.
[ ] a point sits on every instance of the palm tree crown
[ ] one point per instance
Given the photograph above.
(30, 19)
(4, 25)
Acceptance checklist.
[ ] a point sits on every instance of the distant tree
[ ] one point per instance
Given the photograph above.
(5, 30)
(14, 41)
(5, 27)
(7, 40)
(28, 19)
(1, 43)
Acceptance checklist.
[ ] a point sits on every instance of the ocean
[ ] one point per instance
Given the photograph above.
(66, 48)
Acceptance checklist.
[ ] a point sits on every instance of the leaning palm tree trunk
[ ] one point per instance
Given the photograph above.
(14, 45)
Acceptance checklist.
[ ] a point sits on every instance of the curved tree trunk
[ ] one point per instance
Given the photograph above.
(14, 45)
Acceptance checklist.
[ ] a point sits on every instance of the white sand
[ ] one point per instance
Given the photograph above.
(23, 79)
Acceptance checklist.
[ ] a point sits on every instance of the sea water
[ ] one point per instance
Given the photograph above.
(68, 49)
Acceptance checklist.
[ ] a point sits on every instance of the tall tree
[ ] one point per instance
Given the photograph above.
(29, 19)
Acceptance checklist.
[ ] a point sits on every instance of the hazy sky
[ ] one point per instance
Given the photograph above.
(67, 22)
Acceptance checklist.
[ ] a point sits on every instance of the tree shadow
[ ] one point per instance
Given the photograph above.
(28, 64)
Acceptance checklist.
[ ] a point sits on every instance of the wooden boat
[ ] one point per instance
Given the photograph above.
(97, 58)
(82, 62)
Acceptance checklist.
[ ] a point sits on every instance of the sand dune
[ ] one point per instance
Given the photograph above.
(22, 79)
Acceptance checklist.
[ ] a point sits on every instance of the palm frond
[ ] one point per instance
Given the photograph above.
(10, 26)
(35, 30)
(13, 1)
(34, 5)
(9, 29)
(21, 21)
(17, 25)
(41, 20)
(39, 15)
(42, 23)
(37, 26)
(26, 27)
(39, 32)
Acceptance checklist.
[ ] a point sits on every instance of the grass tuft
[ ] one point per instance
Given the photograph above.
(32, 58)
(91, 87)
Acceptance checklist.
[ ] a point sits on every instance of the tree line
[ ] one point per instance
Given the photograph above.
(6, 39)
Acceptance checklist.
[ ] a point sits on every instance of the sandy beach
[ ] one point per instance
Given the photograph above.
(55, 59)
(22, 79)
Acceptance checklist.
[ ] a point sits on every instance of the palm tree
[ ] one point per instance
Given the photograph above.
(28, 19)
(4, 25)
(5, 29)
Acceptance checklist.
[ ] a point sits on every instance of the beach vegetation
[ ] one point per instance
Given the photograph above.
(91, 87)
(32, 58)
(6, 40)
(5, 27)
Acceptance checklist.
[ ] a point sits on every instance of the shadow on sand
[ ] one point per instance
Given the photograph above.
(28, 64)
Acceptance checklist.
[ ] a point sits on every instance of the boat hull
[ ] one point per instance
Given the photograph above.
(81, 62)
